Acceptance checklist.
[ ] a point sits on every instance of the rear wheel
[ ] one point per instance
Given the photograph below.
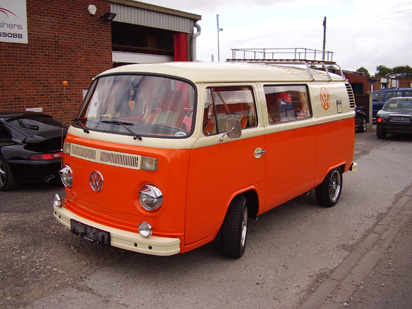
(364, 125)
(6, 177)
(234, 229)
(328, 192)
(380, 132)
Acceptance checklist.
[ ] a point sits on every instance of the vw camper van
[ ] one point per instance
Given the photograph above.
(164, 158)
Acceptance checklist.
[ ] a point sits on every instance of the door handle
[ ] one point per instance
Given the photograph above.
(259, 152)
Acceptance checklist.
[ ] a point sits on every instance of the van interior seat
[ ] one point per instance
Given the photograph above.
(171, 111)
(236, 111)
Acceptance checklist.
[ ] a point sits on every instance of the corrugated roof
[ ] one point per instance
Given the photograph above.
(143, 14)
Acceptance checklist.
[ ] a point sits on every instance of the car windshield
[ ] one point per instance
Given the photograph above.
(139, 105)
(32, 124)
(398, 105)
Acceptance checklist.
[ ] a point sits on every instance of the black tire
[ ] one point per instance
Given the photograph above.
(328, 192)
(7, 180)
(234, 229)
(363, 127)
(380, 132)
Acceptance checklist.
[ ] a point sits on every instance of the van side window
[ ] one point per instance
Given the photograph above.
(223, 103)
(287, 103)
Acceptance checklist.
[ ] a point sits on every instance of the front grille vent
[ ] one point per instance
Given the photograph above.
(120, 159)
(83, 152)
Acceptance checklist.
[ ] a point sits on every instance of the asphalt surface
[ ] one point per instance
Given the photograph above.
(378, 272)
(299, 255)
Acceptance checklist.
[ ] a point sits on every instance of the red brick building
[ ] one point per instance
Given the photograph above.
(73, 41)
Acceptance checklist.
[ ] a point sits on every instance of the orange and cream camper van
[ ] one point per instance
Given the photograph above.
(163, 158)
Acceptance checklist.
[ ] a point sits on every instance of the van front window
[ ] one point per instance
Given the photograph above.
(139, 105)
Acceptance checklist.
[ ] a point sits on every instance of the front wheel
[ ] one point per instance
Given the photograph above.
(234, 229)
(328, 192)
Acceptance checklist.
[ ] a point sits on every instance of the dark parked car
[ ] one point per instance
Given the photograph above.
(30, 148)
(395, 117)
(360, 120)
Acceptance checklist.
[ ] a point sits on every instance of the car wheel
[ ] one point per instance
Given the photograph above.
(328, 192)
(234, 229)
(380, 132)
(6, 177)
(363, 127)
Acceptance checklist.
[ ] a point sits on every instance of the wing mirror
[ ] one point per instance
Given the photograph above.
(233, 129)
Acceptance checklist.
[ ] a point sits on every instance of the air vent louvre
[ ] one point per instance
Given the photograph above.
(350, 95)
(120, 159)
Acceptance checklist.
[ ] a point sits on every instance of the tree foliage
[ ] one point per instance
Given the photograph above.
(396, 72)
(363, 70)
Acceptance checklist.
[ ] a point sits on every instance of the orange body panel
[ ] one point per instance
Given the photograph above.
(118, 205)
(216, 173)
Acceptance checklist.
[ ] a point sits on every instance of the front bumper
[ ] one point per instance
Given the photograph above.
(152, 245)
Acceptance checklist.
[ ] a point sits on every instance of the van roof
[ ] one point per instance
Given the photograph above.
(199, 72)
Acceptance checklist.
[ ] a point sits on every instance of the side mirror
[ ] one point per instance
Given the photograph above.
(233, 129)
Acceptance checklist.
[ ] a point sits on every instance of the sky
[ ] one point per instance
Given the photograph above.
(360, 33)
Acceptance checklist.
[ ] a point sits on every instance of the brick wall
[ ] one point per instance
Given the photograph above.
(65, 44)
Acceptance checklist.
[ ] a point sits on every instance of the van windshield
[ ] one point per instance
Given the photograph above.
(139, 105)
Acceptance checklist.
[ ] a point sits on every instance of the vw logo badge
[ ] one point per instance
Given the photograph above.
(96, 181)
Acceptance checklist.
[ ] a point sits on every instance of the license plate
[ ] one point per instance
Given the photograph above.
(400, 119)
(90, 233)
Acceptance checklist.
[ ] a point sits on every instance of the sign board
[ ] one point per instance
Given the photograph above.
(13, 21)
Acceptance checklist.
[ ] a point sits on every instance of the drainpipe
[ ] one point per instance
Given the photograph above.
(195, 35)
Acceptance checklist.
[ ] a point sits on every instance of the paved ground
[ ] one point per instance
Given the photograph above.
(377, 274)
(356, 255)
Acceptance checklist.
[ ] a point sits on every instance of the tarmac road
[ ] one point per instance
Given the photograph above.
(356, 254)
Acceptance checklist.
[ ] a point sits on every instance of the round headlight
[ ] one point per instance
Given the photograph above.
(150, 197)
(66, 175)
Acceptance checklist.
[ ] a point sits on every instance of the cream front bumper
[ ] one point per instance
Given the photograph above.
(122, 239)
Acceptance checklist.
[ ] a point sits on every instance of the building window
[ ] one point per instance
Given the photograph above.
(138, 39)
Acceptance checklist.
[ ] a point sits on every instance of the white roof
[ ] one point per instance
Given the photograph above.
(199, 72)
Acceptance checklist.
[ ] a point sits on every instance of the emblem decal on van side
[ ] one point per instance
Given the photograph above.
(324, 98)
(96, 181)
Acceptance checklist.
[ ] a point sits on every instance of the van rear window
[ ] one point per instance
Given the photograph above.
(287, 103)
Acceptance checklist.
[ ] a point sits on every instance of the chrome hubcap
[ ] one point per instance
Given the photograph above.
(334, 185)
(244, 228)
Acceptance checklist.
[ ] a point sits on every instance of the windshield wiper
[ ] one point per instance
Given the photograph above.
(124, 125)
(79, 122)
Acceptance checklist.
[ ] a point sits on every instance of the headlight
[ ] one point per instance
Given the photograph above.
(150, 197)
(66, 175)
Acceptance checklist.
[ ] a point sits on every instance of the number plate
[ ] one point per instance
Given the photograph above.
(400, 119)
(90, 233)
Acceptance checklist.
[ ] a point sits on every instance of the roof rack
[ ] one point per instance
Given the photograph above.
(288, 56)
